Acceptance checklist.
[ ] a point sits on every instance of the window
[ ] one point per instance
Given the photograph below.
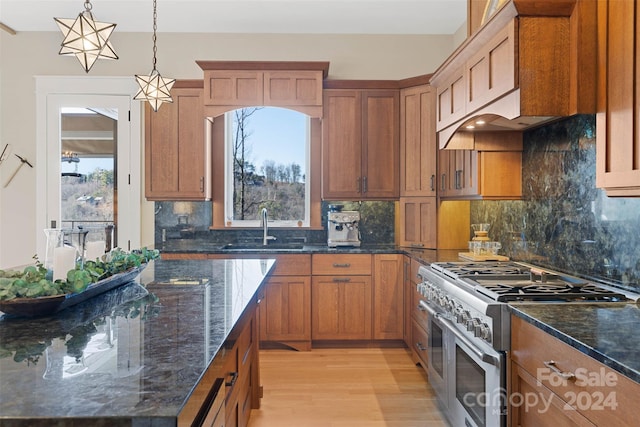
(267, 157)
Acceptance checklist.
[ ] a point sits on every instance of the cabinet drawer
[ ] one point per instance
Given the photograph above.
(419, 343)
(292, 265)
(344, 264)
(602, 395)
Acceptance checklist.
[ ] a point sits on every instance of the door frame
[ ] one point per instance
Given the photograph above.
(52, 92)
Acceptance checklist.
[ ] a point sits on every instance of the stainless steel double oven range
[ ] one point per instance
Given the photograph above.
(469, 329)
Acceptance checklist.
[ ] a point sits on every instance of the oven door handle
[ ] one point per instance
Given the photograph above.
(485, 357)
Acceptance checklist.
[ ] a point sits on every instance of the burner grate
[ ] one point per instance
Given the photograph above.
(538, 291)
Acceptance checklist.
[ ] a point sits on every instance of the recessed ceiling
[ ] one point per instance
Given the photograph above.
(248, 16)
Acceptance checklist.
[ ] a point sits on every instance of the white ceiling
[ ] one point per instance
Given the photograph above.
(248, 16)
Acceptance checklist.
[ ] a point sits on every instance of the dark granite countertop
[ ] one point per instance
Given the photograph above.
(198, 246)
(130, 356)
(608, 332)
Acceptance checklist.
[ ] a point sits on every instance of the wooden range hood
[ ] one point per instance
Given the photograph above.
(532, 62)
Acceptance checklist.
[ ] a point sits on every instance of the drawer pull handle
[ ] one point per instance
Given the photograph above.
(421, 347)
(421, 308)
(345, 265)
(417, 245)
(551, 364)
(341, 280)
(234, 378)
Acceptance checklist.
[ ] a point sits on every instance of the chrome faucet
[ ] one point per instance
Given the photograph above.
(265, 228)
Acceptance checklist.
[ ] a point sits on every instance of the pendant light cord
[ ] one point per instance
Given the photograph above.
(155, 26)
(88, 6)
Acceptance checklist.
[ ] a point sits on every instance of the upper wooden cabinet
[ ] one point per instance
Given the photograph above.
(531, 62)
(617, 120)
(360, 144)
(489, 167)
(229, 85)
(418, 222)
(418, 144)
(177, 148)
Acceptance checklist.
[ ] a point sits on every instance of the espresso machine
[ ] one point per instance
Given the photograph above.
(343, 228)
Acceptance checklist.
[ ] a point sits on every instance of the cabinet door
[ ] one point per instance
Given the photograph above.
(388, 297)
(342, 145)
(617, 139)
(418, 143)
(289, 88)
(381, 139)
(418, 222)
(285, 310)
(341, 308)
(233, 87)
(176, 151)
(458, 170)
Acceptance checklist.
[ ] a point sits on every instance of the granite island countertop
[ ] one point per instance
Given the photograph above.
(130, 356)
(608, 332)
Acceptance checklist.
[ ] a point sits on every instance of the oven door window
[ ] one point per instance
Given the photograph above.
(470, 387)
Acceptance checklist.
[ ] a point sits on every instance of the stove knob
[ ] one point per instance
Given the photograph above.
(485, 332)
(471, 323)
(477, 329)
(466, 316)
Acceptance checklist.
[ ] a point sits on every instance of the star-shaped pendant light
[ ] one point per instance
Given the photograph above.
(154, 88)
(86, 38)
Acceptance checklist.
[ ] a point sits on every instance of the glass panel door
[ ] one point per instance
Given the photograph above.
(88, 171)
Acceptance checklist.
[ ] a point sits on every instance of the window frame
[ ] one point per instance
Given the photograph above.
(228, 179)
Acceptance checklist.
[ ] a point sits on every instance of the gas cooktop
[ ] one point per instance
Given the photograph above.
(508, 281)
(471, 268)
(551, 290)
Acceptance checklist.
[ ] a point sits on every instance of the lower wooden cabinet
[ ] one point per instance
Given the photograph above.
(341, 307)
(416, 317)
(554, 384)
(285, 308)
(242, 374)
(364, 303)
(388, 297)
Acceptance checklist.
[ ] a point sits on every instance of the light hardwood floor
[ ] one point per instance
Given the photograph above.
(344, 387)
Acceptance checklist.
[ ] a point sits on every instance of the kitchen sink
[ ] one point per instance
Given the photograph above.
(261, 247)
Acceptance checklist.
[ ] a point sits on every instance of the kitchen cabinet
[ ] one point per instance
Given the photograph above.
(531, 62)
(617, 141)
(177, 148)
(341, 291)
(360, 146)
(418, 143)
(388, 297)
(241, 370)
(418, 222)
(285, 308)
(458, 173)
(491, 168)
(417, 318)
(229, 85)
(581, 390)
(406, 279)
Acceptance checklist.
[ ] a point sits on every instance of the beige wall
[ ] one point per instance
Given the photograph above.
(30, 54)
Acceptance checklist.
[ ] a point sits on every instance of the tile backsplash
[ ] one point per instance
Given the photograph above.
(564, 222)
(171, 222)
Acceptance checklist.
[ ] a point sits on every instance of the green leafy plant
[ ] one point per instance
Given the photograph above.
(32, 282)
